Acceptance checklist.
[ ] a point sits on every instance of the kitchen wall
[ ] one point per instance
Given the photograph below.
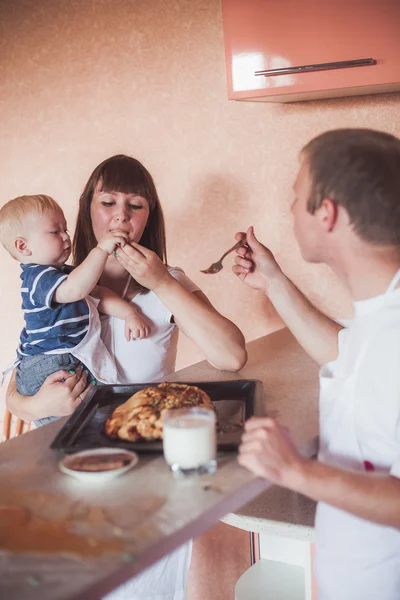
(82, 80)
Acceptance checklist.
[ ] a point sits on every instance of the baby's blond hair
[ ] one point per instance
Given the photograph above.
(15, 215)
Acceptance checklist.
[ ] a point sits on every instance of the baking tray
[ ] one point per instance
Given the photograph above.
(235, 401)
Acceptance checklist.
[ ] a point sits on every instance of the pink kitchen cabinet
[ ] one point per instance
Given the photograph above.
(312, 40)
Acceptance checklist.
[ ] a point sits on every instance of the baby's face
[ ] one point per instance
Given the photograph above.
(48, 239)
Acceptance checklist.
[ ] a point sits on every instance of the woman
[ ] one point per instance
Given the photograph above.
(120, 195)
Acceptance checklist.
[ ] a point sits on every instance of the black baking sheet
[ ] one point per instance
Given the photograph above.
(235, 402)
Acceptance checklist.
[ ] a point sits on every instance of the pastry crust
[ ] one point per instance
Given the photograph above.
(140, 417)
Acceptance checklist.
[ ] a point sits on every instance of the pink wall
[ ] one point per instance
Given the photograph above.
(82, 80)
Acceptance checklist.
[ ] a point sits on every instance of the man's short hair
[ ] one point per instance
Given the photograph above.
(15, 214)
(358, 169)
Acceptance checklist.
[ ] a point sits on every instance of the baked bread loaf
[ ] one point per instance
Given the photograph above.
(139, 418)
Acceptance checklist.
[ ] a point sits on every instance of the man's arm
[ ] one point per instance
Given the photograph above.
(268, 451)
(257, 268)
(370, 496)
(315, 332)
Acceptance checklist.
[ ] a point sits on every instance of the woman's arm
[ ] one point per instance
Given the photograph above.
(257, 268)
(59, 395)
(221, 342)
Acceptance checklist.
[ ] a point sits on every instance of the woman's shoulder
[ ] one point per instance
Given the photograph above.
(180, 275)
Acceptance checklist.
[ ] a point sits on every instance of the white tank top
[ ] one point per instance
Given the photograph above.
(152, 358)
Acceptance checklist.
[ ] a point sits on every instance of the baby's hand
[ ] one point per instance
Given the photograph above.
(113, 240)
(136, 326)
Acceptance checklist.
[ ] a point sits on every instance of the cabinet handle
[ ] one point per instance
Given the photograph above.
(344, 64)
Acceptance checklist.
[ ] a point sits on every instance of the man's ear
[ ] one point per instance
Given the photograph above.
(327, 214)
(21, 246)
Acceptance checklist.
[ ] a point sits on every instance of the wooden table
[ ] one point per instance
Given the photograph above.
(100, 535)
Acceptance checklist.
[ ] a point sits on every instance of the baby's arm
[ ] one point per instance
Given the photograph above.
(81, 281)
(136, 325)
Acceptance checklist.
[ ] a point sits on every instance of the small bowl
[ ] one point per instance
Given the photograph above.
(99, 464)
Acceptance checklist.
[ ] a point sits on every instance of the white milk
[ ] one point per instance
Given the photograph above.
(189, 441)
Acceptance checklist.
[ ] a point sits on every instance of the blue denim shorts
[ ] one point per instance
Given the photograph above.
(33, 370)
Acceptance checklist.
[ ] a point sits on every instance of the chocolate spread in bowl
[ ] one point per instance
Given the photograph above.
(98, 463)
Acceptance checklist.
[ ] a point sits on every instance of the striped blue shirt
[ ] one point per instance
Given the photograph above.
(49, 326)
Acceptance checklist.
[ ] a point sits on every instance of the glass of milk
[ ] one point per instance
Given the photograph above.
(189, 440)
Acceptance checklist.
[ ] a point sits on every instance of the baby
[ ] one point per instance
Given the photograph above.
(62, 325)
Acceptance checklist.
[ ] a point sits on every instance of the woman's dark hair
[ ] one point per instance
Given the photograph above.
(125, 174)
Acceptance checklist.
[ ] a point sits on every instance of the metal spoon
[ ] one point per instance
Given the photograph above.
(217, 266)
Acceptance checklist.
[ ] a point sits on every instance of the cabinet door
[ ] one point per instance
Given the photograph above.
(275, 34)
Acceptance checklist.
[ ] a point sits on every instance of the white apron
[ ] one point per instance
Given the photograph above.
(356, 559)
(91, 351)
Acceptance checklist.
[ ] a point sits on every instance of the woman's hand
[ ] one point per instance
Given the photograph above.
(255, 264)
(218, 338)
(268, 451)
(143, 264)
(60, 394)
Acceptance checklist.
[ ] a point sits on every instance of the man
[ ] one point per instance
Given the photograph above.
(346, 214)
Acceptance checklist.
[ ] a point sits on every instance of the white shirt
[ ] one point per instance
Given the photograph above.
(377, 326)
(152, 358)
(360, 429)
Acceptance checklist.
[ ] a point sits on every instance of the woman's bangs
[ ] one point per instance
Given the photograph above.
(126, 177)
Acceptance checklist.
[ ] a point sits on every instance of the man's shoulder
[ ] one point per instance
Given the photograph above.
(382, 344)
(385, 326)
(375, 337)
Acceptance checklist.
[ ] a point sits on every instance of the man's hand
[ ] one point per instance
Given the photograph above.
(255, 264)
(268, 451)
